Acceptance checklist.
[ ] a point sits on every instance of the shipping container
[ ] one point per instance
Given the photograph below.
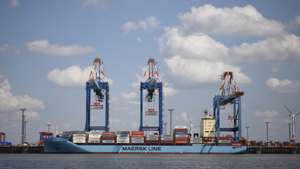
(183, 129)
(79, 138)
(108, 137)
(137, 133)
(94, 137)
(137, 139)
(181, 136)
(69, 134)
(123, 137)
(108, 141)
(152, 139)
(209, 140)
(108, 134)
(166, 139)
(182, 140)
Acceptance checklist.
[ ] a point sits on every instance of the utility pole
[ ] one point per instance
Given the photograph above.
(247, 132)
(290, 136)
(171, 119)
(267, 127)
(48, 127)
(23, 130)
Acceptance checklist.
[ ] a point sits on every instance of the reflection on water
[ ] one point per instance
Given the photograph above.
(108, 161)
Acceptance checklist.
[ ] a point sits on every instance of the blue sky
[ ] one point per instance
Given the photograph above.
(46, 48)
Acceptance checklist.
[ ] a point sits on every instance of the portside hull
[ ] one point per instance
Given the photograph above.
(59, 145)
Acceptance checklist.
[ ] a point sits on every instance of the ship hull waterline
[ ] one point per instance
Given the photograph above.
(60, 145)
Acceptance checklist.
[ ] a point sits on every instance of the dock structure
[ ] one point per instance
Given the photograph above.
(21, 149)
(273, 150)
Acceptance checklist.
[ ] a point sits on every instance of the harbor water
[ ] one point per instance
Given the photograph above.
(144, 161)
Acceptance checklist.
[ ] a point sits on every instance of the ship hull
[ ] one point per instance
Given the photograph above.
(60, 145)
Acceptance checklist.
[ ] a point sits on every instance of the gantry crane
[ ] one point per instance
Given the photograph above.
(100, 101)
(229, 94)
(153, 86)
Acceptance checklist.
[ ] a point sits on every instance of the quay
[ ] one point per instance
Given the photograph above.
(273, 150)
(21, 149)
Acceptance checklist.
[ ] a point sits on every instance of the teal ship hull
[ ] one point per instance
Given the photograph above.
(60, 145)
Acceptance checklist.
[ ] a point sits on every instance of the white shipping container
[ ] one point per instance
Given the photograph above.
(94, 138)
(137, 140)
(122, 139)
(108, 141)
(152, 137)
(79, 138)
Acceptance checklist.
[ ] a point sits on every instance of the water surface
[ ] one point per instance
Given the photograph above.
(116, 161)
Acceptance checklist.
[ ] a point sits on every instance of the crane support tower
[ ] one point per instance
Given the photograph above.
(229, 94)
(152, 85)
(99, 85)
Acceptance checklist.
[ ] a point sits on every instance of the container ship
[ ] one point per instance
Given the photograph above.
(151, 139)
(135, 142)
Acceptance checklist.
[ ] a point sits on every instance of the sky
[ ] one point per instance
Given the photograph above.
(47, 48)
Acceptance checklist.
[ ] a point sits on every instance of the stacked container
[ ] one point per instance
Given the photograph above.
(79, 138)
(137, 137)
(152, 139)
(108, 137)
(94, 137)
(181, 136)
(123, 137)
(225, 140)
(166, 139)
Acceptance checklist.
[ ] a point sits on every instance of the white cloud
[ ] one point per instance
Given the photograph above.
(244, 21)
(283, 86)
(147, 23)
(72, 76)
(132, 96)
(277, 48)
(44, 47)
(14, 3)
(195, 59)
(197, 72)
(267, 115)
(201, 46)
(10, 102)
(197, 46)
